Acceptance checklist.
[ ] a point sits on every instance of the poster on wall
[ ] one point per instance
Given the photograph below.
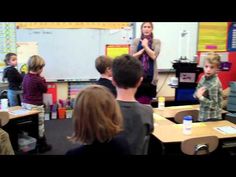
(232, 37)
(24, 51)
(212, 36)
(7, 40)
(117, 50)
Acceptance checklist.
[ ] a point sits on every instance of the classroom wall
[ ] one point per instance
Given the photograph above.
(163, 89)
(162, 30)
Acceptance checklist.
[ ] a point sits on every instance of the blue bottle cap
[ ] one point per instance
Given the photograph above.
(187, 117)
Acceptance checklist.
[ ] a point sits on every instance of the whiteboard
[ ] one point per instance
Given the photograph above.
(173, 45)
(70, 53)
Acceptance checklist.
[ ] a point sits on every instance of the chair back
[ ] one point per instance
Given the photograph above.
(200, 145)
(180, 115)
(231, 105)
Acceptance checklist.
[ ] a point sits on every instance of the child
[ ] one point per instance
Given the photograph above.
(14, 79)
(138, 118)
(33, 88)
(209, 90)
(103, 65)
(97, 123)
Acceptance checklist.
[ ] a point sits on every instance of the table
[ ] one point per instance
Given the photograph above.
(160, 120)
(172, 133)
(170, 112)
(22, 122)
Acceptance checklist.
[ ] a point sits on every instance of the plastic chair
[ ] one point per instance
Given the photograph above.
(200, 145)
(3, 94)
(180, 115)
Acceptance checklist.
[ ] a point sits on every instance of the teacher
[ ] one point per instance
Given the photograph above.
(147, 49)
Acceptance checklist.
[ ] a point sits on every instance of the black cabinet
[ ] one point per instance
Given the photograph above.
(187, 74)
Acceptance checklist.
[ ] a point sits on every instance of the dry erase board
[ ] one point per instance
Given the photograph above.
(70, 53)
(177, 39)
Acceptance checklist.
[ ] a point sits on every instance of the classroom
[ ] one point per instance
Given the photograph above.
(164, 88)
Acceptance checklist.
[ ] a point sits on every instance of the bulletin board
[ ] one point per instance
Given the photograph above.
(7, 40)
(212, 36)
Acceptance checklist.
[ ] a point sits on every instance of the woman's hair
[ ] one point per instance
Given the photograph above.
(145, 23)
(35, 63)
(8, 57)
(102, 63)
(213, 58)
(96, 115)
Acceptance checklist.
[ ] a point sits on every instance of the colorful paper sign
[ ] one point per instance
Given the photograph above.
(117, 50)
(212, 36)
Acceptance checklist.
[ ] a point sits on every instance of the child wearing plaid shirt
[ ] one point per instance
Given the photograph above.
(209, 90)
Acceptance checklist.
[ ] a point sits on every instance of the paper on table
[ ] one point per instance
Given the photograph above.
(19, 112)
(226, 129)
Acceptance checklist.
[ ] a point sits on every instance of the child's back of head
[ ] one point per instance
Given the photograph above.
(103, 63)
(35, 63)
(97, 115)
(127, 71)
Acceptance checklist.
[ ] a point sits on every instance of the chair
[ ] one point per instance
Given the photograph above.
(3, 94)
(4, 118)
(180, 115)
(5, 143)
(200, 145)
(231, 105)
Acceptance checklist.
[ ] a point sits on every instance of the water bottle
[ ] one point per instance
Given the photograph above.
(161, 102)
(187, 125)
(4, 104)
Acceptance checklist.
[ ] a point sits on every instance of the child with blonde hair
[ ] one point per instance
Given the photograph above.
(98, 123)
(34, 86)
(103, 65)
(209, 90)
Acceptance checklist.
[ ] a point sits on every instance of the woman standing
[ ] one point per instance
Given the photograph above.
(147, 49)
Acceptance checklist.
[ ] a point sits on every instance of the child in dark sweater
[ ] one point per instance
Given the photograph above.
(34, 86)
(103, 66)
(14, 79)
